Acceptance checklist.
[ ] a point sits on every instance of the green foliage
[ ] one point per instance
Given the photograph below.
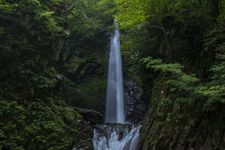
(48, 48)
(96, 89)
(157, 65)
(55, 48)
(184, 34)
(130, 13)
(39, 38)
(39, 125)
(175, 78)
(181, 47)
(214, 89)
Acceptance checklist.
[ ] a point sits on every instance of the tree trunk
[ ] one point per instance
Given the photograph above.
(214, 8)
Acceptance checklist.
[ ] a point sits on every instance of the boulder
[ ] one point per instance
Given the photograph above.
(92, 116)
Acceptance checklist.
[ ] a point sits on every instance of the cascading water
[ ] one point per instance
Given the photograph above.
(119, 137)
(115, 135)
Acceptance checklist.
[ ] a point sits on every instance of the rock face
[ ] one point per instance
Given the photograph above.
(91, 116)
(202, 134)
(194, 130)
(134, 104)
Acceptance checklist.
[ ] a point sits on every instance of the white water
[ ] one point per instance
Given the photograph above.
(113, 141)
(115, 100)
(116, 135)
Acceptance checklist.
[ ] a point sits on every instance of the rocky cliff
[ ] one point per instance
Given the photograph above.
(189, 130)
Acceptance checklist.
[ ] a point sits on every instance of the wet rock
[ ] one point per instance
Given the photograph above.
(141, 107)
(120, 136)
(205, 135)
(134, 105)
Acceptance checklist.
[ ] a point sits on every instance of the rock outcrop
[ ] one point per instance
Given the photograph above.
(193, 130)
(134, 104)
(91, 116)
(201, 134)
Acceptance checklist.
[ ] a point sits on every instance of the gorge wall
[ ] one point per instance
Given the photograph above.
(189, 130)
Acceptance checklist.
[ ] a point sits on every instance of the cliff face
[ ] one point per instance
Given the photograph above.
(134, 104)
(189, 130)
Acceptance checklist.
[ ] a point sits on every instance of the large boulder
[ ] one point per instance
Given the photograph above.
(93, 117)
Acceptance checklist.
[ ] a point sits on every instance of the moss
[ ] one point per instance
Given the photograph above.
(92, 93)
(40, 126)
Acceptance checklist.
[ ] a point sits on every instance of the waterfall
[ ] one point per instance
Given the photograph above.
(116, 134)
(115, 101)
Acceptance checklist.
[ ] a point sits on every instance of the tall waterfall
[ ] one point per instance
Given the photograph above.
(115, 135)
(115, 101)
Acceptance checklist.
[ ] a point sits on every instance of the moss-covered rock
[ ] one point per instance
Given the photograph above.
(180, 128)
(85, 79)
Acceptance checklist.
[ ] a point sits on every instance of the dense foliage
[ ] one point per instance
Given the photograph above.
(180, 49)
(53, 56)
(187, 36)
(50, 57)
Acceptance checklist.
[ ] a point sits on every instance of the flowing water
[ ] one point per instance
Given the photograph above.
(116, 134)
(115, 101)
(116, 138)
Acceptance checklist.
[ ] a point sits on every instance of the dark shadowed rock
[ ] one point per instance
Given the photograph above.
(92, 116)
